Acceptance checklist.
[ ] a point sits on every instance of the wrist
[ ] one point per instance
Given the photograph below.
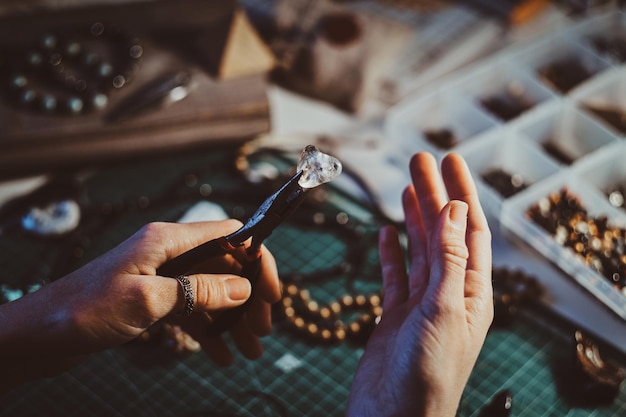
(31, 322)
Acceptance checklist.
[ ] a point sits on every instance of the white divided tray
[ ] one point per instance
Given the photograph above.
(553, 141)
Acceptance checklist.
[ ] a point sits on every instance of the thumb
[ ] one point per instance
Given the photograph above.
(216, 292)
(449, 253)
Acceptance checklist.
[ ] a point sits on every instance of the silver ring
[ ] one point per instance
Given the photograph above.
(187, 292)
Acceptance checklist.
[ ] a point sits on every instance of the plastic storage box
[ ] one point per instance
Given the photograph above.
(540, 125)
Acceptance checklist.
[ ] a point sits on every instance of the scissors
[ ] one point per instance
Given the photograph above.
(259, 226)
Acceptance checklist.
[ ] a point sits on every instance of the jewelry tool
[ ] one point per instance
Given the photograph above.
(314, 168)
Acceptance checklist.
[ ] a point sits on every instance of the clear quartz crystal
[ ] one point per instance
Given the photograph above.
(318, 167)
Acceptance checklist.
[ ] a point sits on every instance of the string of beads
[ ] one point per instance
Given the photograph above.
(72, 73)
(348, 318)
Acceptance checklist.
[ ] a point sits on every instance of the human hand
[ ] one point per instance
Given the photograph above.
(436, 315)
(116, 297)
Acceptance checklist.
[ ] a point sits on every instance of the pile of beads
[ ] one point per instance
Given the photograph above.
(504, 183)
(600, 245)
(512, 290)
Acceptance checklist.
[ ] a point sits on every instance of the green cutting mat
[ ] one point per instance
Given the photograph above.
(295, 377)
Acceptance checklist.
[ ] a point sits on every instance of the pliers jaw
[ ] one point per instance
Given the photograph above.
(270, 214)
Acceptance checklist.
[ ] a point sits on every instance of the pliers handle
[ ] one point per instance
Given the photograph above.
(259, 226)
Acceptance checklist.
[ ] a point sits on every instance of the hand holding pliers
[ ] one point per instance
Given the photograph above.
(257, 228)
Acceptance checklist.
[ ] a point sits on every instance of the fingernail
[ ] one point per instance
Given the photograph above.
(458, 214)
(238, 288)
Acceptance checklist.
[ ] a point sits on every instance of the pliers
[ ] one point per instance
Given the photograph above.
(259, 226)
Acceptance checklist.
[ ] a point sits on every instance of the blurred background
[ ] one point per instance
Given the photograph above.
(117, 113)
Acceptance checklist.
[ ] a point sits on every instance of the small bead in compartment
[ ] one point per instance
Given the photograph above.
(555, 151)
(508, 104)
(513, 289)
(610, 114)
(565, 74)
(616, 196)
(613, 48)
(504, 183)
(441, 138)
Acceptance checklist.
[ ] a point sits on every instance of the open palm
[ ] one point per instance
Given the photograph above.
(436, 314)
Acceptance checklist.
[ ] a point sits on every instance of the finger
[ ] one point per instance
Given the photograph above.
(429, 189)
(268, 284)
(184, 236)
(229, 263)
(245, 340)
(155, 243)
(393, 265)
(210, 293)
(217, 292)
(259, 315)
(460, 186)
(449, 257)
(215, 347)
(418, 247)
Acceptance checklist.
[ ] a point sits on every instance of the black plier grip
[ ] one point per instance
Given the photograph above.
(258, 227)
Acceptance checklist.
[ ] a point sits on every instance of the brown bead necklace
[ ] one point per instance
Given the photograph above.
(349, 318)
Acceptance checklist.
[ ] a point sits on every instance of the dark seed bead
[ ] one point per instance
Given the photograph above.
(34, 59)
(49, 42)
(99, 101)
(19, 81)
(136, 51)
(75, 105)
(48, 103)
(118, 81)
(73, 48)
(28, 97)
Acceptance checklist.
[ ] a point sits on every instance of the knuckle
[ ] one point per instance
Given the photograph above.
(233, 224)
(453, 250)
(153, 231)
(139, 293)
(210, 293)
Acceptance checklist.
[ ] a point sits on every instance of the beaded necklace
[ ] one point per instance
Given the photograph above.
(71, 73)
(325, 323)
